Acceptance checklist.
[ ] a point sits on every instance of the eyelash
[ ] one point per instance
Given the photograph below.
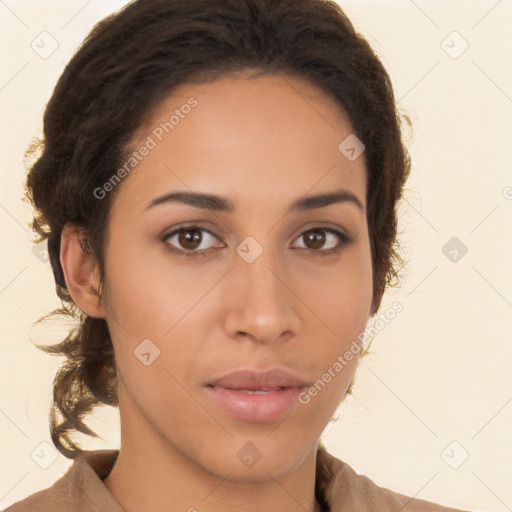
(344, 239)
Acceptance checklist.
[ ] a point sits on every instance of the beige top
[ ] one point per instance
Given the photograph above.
(338, 488)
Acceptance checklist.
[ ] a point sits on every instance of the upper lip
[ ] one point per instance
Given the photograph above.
(258, 379)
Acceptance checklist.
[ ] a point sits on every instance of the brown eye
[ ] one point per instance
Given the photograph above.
(323, 240)
(314, 239)
(190, 240)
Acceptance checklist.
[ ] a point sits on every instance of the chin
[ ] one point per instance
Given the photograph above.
(257, 459)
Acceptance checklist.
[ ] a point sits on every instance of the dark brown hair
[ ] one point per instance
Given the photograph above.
(129, 63)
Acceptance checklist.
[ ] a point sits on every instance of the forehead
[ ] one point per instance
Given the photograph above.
(240, 134)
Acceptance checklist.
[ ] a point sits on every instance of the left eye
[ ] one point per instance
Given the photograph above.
(323, 239)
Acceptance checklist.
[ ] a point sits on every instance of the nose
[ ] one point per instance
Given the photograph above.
(260, 303)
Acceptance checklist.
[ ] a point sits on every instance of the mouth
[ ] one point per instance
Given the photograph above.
(258, 391)
(256, 396)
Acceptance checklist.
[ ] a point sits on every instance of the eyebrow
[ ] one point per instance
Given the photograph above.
(221, 204)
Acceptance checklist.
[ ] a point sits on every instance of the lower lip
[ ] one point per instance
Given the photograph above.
(257, 407)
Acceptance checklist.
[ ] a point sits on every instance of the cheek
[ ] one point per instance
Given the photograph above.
(149, 298)
(147, 294)
(339, 295)
(340, 298)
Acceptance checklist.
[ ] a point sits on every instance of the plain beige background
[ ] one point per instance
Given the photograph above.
(437, 387)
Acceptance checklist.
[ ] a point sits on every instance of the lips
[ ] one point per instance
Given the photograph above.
(262, 380)
(256, 396)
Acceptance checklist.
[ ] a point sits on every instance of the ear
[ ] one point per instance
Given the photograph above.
(81, 273)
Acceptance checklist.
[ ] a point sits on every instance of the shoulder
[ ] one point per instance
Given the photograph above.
(80, 489)
(344, 490)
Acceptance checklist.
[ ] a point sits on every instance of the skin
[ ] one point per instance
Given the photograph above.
(262, 143)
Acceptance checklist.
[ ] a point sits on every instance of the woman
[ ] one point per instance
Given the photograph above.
(218, 187)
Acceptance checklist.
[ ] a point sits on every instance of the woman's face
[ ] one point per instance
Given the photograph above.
(230, 336)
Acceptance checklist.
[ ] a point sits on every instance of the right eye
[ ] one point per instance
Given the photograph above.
(190, 240)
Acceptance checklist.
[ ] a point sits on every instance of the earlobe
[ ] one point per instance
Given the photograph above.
(80, 273)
